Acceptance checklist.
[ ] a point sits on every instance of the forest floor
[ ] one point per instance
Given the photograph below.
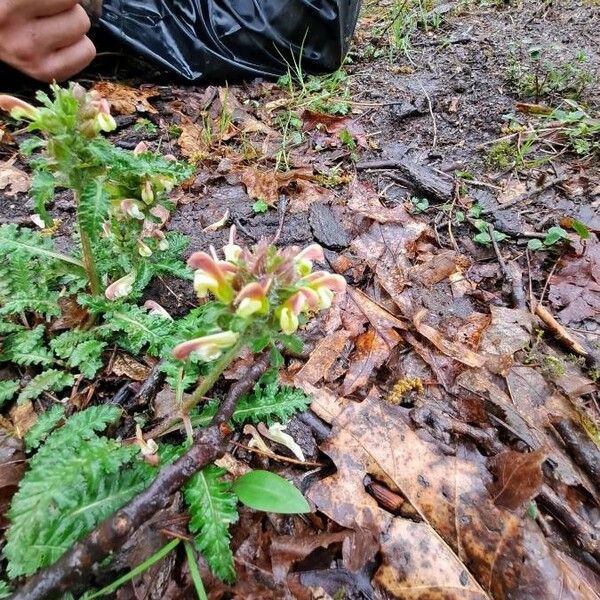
(451, 172)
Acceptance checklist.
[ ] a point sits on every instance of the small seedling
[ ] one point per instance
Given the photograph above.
(260, 206)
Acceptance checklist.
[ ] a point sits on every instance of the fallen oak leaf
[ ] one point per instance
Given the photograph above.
(452, 349)
(266, 185)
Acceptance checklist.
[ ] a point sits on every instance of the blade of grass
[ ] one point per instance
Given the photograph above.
(115, 585)
(194, 572)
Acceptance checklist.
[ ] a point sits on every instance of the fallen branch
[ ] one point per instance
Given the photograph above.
(69, 573)
(562, 335)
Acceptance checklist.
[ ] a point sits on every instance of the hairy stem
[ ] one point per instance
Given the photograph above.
(88, 256)
(209, 381)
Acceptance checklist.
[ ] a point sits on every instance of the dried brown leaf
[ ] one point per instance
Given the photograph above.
(488, 550)
(12, 467)
(517, 477)
(575, 287)
(124, 364)
(13, 180)
(126, 100)
(450, 348)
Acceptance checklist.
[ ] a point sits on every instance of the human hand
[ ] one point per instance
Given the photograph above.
(45, 39)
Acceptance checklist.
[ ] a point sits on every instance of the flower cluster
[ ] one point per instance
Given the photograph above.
(273, 289)
(93, 112)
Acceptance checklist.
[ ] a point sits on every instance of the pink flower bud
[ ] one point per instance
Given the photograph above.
(154, 308)
(209, 276)
(251, 299)
(120, 288)
(132, 209)
(141, 148)
(290, 311)
(18, 109)
(207, 348)
(304, 259)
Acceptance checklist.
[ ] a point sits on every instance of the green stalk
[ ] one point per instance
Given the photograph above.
(88, 255)
(209, 381)
(115, 585)
(194, 572)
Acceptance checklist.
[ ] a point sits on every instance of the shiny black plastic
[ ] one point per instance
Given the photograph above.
(234, 39)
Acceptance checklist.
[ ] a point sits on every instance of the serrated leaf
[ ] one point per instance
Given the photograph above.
(212, 507)
(45, 423)
(93, 205)
(263, 490)
(74, 480)
(42, 191)
(26, 348)
(292, 343)
(51, 380)
(7, 390)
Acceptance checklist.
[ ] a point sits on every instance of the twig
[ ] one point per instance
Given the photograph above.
(429, 104)
(583, 450)
(281, 208)
(559, 331)
(572, 522)
(69, 573)
(511, 272)
(279, 457)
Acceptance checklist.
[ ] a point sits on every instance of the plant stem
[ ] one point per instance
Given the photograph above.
(194, 572)
(115, 585)
(88, 255)
(209, 381)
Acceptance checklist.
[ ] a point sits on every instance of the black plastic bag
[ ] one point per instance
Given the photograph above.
(234, 39)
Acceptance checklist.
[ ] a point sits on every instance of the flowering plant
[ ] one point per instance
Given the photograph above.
(266, 290)
(120, 196)
(259, 297)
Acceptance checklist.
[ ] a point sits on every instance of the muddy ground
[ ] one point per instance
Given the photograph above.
(424, 125)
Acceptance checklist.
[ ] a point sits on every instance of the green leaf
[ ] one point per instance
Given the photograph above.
(535, 244)
(260, 343)
(26, 348)
(93, 208)
(580, 229)
(260, 206)
(51, 380)
(555, 235)
(5, 591)
(7, 390)
(267, 403)
(42, 191)
(74, 480)
(212, 506)
(266, 491)
(45, 423)
(292, 342)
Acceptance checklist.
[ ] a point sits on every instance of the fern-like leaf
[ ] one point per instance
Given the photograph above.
(51, 380)
(7, 390)
(42, 192)
(213, 508)
(140, 329)
(80, 349)
(267, 403)
(26, 347)
(4, 590)
(75, 480)
(45, 423)
(93, 208)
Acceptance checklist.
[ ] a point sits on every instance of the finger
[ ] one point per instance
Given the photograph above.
(66, 62)
(62, 30)
(47, 8)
